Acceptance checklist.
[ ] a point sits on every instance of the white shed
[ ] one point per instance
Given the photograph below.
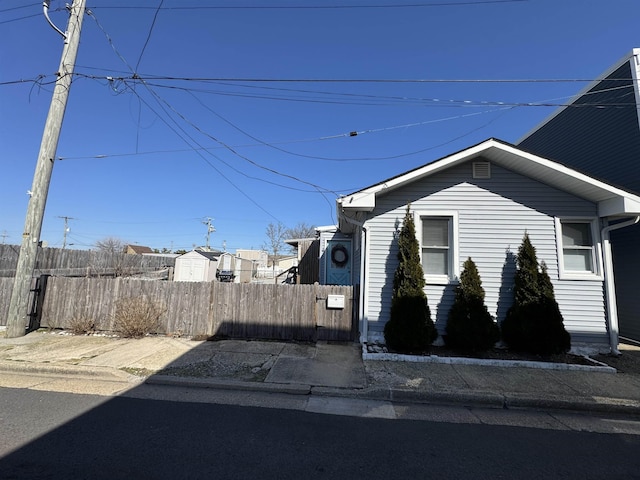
(196, 266)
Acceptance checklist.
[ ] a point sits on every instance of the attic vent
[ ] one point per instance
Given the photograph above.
(481, 170)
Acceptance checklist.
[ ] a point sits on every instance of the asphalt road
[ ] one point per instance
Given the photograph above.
(58, 435)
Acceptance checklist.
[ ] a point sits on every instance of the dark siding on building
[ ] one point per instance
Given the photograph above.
(601, 137)
(625, 244)
(601, 141)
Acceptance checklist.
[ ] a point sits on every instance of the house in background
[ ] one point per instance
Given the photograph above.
(325, 258)
(598, 132)
(196, 266)
(260, 258)
(307, 253)
(137, 250)
(479, 203)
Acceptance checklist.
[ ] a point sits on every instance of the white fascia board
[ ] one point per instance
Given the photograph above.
(565, 176)
(635, 72)
(365, 200)
(619, 206)
(361, 201)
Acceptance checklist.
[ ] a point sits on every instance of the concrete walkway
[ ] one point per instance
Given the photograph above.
(109, 366)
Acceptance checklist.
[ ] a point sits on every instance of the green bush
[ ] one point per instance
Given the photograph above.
(410, 328)
(470, 326)
(534, 322)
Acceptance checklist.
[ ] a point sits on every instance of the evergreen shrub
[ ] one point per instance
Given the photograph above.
(534, 322)
(410, 328)
(470, 326)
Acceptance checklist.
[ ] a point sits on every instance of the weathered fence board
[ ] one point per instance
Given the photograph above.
(267, 311)
(6, 286)
(82, 262)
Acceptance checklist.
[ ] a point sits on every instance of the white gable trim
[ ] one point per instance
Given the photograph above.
(612, 201)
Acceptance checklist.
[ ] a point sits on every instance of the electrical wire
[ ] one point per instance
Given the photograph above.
(317, 188)
(174, 130)
(355, 133)
(20, 7)
(324, 7)
(153, 23)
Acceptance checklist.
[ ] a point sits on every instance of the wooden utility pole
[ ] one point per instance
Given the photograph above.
(17, 320)
(66, 230)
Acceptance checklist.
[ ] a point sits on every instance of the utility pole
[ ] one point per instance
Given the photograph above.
(210, 229)
(66, 230)
(17, 319)
(4, 236)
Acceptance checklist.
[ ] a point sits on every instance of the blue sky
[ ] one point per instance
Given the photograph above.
(244, 114)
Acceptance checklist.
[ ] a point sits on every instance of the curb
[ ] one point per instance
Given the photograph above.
(215, 383)
(481, 399)
(460, 398)
(94, 372)
(583, 404)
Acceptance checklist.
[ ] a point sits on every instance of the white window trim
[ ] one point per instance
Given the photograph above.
(596, 252)
(454, 256)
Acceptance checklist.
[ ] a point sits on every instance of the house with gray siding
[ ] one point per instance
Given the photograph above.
(479, 203)
(598, 132)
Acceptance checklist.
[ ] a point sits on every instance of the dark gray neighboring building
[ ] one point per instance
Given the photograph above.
(598, 133)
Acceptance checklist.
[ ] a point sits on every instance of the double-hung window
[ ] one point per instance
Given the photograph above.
(438, 238)
(577, 248)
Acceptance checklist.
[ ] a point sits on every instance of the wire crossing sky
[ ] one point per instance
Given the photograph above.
(253, 113)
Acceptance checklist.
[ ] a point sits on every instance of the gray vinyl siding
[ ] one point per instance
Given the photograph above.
(604, 143)
(493, 215)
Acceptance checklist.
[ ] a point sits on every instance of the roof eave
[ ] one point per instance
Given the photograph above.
(618, 207)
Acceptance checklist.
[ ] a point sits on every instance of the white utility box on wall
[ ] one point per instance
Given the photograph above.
(335, 301)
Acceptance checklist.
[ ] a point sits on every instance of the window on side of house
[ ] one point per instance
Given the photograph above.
(437, 247)
(577, 248)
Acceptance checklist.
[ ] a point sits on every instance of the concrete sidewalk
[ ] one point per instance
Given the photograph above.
(109, 366)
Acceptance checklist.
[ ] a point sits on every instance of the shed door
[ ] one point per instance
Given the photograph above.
(338, 258)
(192, 270)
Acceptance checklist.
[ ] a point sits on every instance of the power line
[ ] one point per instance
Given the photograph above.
(379, 80)
(161, 100)
(146, 42)
(322, 7)
(353, 133)
(20, 7)
(222, 80)
(173, 129)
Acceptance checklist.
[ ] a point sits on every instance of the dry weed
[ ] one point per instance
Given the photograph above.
(137, 316)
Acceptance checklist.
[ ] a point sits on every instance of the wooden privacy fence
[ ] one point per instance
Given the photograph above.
(60, 261)
(279, 312)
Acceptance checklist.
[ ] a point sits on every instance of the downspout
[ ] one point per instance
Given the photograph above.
(364, 249)
(609, 282)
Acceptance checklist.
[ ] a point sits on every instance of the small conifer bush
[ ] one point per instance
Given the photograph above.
(410, 328)
(470, 326)
(534, 322)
